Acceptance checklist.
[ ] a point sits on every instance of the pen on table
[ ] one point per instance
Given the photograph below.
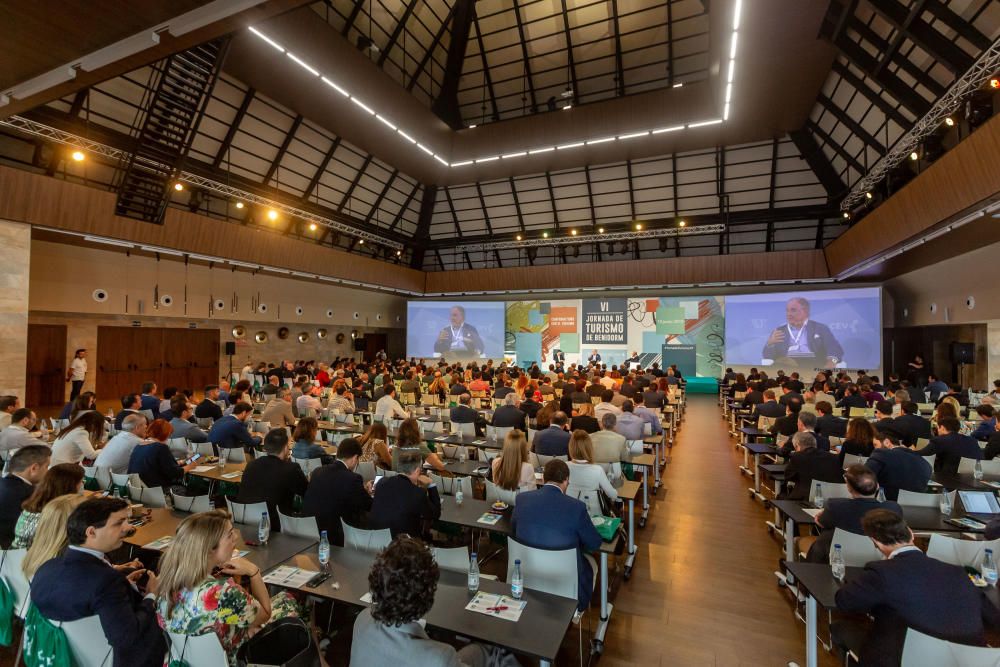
(498, 609)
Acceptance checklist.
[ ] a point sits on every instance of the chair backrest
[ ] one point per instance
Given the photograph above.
(449, 485)
(204, 448)
(498, 432)
(365, 540)
(299, 526)
(87, 642)
(235, 455)
(204, 422)
(921, 650)
(464, 429)
(851, 459)
(918, 499)
(455, 559)
(367, 470)
(247, 513)
(490, 454)
(635, 447)
(968, 466)
(146, 413)
(967, 553)
(193, 504)
(836, 442)
(308, 465)
(148, 496)
(543, 459)
(101, 473)
(179, 447)
(11, 572)
(856, 549)
(124, 479)
(764, 423)
(830, 490)
(921, 443)
(495, 493)
(202, 650)
(547, 571)
(861, 412)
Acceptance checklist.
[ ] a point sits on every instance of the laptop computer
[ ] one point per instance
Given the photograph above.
(980, 505)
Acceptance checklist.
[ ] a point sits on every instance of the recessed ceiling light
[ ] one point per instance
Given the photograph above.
(239, 205)
(304, 65)
(633, 135)
(78, 156)
(335, 86)
(566, 146)
(682, 223)
(673, 128)
(678, 85)
(949, 121)
(473, 126)
(567, 107)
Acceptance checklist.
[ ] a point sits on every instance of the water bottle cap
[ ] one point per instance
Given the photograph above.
(989, 551)
(836, 546)
(517, 561)
(473, 554)
(322, 533)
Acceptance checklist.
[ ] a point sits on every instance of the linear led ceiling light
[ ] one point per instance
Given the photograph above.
(730, 77)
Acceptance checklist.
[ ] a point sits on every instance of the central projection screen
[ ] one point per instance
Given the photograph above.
(455, 330)
(805, 330)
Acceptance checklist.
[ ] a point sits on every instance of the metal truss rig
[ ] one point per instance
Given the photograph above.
(595, 238)
(55, 135)
(980, 72)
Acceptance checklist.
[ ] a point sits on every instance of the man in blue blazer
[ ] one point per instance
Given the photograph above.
(554, 440)
(149, 400)
(82, 583)
(231, 431)
(549, 519)
(951, 447)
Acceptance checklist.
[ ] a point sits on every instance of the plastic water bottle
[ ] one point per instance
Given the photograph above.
(516, 581)
(837, 563)
(264, 528)
(459, 496)
(945, 504)
(473, 573)
(324, 551)
(989, 569)
(222, 458)
(977, 472)
(818, 498)
(211, 504)
(115, 491)
(881, 495)
(462, 454)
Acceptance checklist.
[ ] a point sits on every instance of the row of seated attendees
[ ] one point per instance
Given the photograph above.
(69, 538)
(907, 589)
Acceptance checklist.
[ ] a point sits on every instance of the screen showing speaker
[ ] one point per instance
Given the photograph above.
(805, 330)
(455, 330)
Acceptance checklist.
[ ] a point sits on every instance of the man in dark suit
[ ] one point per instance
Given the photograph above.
(852, 399)
(788, 394)
(911, 426)
(794, 383)
(808, 463)
(554, 440)
(459, 339)
(130, 406)
(404, 502)
(558, 356)
(883, 417)
(753, 397)
(273, 478)
(800, 340)
(827, 424)
(149, 400)
(910, 590)
(208, 407)
(82, 582)
(549, 519)
(337, 492)
(897, 466)
(846, 513)
(26, 469)
(769, 407)
(463, 413)
(594, 358)
(951, 447)
(806, 423)
(509, 415)
(231, 431)
(788, 424)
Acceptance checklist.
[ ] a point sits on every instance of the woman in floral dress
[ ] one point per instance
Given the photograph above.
(199, 589)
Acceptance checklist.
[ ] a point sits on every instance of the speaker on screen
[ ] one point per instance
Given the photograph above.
(963, 353)
(359, 344)
(230, 347)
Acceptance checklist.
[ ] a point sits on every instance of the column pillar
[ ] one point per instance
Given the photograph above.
(15, 262)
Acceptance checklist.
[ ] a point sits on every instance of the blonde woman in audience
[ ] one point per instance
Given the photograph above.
(586, 478)
(198, 591)
(50, 536)
(512, 469)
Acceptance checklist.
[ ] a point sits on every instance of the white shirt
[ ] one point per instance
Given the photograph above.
(306, 401)
(16, 436)
(602, 409)
(584, 481)
(72, 447)
(117, 452)
(389, 407)
(607, 382)
(78, 367)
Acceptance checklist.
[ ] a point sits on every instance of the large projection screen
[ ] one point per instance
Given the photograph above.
(456, 330)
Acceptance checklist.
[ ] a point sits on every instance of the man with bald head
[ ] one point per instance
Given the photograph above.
(802, 341)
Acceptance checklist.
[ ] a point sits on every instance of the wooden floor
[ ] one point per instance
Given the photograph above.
(702, 592)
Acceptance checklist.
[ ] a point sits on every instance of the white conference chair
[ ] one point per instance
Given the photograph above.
(235, 455)
(968, 466)
(495, 493)
(543, 459)
(13, 575)
(204, 422)
(551, 572)
(635, 447)
(204, 448)
(920, 650)
(857, 550)
(309, 465)
(299, 526)
(967, 553)
(365, 540)
(464, 429)
(367, 470)
(193, 504)
(87, 642)
(498, 432)
(918, 499)
(246, 513)
(449, 485)
(830, 490)
(455, 559)
(148, 496)
(179, 447)
(202, 650)
(102, 474)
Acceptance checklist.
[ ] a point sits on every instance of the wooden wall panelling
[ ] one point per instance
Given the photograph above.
(46, 367)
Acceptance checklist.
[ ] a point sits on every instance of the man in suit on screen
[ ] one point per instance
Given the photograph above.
(459, 339)
(801, 341)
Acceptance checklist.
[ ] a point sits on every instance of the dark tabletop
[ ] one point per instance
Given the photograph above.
(965, 481)
(538, 633)
(775, 471)
(920, 519)
(761, 448)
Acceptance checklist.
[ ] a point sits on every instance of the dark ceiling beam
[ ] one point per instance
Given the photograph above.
(818, 162)
(354, 183)
(720, 192)
(904, 63)
(468, 261)
(442, 29)
(841, 17)
(486, 69)
(352, 17)
(454, 213)
(836, 147)
(631, 198)
(397, 31)
(670, 50)
(891, 112)
(525, 56)
(486, 214)
(381, 195)
(321, 169)
(947, 52)
(423, 233)
(854, 126)
(958, 24)
(440, 261)
(517, 203)
(272, 169)
(590, 196)
(772, 192)
(895, 86)
(619, 61)
(552, 199)
(899, 35)
(77, 106)
(446, 106)
(569, 52)
(405, 207)
(234, 127)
